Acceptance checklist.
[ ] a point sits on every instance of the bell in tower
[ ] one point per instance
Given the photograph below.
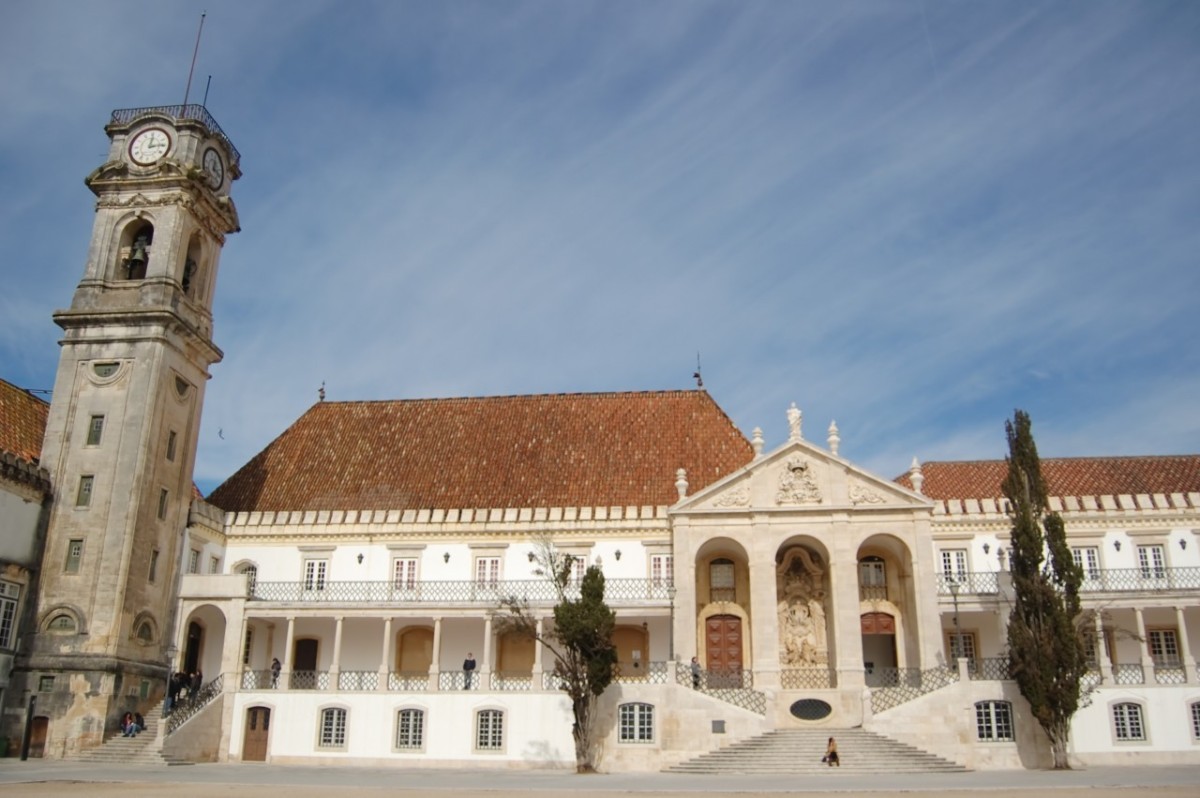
(123, 422)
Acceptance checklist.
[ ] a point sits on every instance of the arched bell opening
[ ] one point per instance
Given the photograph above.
(190, 277)
(137, 242)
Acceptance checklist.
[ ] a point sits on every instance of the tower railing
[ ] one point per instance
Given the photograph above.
(192, 111)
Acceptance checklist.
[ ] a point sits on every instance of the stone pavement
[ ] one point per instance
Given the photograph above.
(54, 777)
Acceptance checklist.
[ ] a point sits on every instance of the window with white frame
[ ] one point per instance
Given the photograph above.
(333, 728)
(489, 730)
(662, 570)
(404, 573)
(993, 721)
(636, 723)
(1196, 720)
(314, 574)
(9, 593)
(1127, 722)
(579, 565)
(954, 565)
(1087, 558)
(1152, 561)
(1164, 648)
(410, 729)
(960, 644)
(487, 571)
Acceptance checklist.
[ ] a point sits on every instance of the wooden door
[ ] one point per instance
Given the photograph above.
(304, 664)
(191, 651)
(37, 736)
(723, 648)
(254, 741)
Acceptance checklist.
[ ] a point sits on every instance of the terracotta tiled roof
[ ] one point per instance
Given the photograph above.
(560, 450)
(1076, 476)
(22, 422)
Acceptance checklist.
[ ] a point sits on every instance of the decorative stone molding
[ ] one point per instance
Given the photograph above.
(736, 497)
(861, 494)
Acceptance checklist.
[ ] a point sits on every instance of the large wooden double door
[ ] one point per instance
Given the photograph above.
(258, 728)
(723, 651)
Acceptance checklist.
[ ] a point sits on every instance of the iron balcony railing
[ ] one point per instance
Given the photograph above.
(534, 591)
(188, 708)
(1095, 580)
(811, 678)
(193, 111)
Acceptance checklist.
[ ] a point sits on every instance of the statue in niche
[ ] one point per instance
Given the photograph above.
(799, 581)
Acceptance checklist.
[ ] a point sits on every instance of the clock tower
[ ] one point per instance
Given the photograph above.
(124, 419)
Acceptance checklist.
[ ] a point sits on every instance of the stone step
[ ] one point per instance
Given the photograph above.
(800, 751)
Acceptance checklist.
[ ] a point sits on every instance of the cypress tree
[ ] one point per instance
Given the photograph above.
(1047, 654)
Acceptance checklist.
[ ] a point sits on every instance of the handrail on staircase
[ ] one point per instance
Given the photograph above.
(185, 710)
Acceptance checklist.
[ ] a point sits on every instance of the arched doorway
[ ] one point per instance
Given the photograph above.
(193, 648)
(879, 646)
(723, 650)
(414, 651)
(633, 651)
(257, 731)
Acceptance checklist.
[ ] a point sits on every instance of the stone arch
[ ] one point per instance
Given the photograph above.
(193, 269)
(803, 611)
(895, 597)
(718, 551)
(250, 569)
(205, 649)
(144, 629)
(135, 246)
(51, 622)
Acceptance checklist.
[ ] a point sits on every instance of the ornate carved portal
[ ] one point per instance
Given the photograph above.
(800, 590)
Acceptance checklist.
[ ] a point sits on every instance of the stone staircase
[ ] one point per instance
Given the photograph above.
(800, 751)
(145, 749)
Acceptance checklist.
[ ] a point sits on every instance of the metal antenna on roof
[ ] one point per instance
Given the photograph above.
(195, 50)
(696, 374)
(321, 392)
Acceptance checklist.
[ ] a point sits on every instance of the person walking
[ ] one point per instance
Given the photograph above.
(695, 673)
(468, 669)
(275, 669)
(831, 754)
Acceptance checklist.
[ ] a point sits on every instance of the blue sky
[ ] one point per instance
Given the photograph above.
(911, 217)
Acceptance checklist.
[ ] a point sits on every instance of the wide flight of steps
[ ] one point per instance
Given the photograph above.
(800, 751)
(145, 749)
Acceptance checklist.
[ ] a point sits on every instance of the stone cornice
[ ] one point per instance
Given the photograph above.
(25, 473)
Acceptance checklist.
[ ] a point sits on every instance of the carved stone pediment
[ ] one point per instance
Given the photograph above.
(737, 495)
(860, 493)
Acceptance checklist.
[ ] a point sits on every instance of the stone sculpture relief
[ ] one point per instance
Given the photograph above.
(797, 485)
(861, 494)
(737, 497)
(800, 586)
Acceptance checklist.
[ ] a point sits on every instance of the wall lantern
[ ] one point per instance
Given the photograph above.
(446, 557)
(360, 558)
(1117, 545)
(1183, 544)
(617, 554)
(531, 556)
(986, 548)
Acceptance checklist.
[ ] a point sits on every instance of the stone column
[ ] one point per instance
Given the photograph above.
(485, 670)
(1147, 662)
(385, 661)
(1185, 648)
(435, 666)
(288, 647)
(537, 654)
(764, 622)
(335, 669)
(1106, 669)
(844, 615)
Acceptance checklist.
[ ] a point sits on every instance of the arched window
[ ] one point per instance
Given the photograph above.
(62, 624)
(190, 277)
(333, 728)
(489, 730)
(635, 723)
(993, 721)
(136, 244)
(721, 580)
(145, 632)
(410, 730)
(1127, 722)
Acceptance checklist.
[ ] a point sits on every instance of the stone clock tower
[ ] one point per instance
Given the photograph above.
(121, 436)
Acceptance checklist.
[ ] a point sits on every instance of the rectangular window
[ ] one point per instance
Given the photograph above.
(579, 567)
(194, 561)
(1196, 721)
(410, 729)
(83, 498)
(993, 721)
(662, 570)
(95, 430)
(636, 723)
(333, 728)
(954, 564)
(404, 573)
(9, 593)
(960, 644)
(1152, 561)
(1087, 558)
(487, 571)
(1164, 648)
(1127, 722)
(154, 565)
(163, 497)
(74, 556)
(214, 565)
(314, 574)
(45, 684)
(489, 730)
(871, 573)
(172, 440)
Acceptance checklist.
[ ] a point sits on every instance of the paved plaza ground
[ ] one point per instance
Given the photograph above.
(54, 778)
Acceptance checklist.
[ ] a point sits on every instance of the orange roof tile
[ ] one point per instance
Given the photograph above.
(22, 422)
(1075, 476)
(560, 450)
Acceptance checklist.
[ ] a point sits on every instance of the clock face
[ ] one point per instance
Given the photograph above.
(214, 168)
(149, 145)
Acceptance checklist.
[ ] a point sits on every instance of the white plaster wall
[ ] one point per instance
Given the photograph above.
(537, 728)
(18, 528)
(1165, 716)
